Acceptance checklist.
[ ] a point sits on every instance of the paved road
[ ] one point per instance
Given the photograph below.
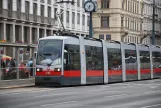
(140, 94)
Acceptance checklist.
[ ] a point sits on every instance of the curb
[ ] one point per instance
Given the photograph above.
(9, 84)
(18, 86)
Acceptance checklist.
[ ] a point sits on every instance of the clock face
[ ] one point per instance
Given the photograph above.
(89, 6)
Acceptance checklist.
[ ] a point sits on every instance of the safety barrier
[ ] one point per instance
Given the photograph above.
(12, 73)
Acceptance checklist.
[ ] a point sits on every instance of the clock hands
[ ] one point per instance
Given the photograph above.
(89, 7)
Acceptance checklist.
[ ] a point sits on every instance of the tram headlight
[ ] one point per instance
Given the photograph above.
(57, 69)
(38, 69)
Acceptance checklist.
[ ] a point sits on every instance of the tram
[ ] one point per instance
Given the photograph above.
(76, 60)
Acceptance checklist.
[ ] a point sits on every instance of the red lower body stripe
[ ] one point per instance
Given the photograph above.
(48, 73)
(131, 72)
(145, 71)
(72, 73)
(157, 70)
(93, 73)
(114, 72)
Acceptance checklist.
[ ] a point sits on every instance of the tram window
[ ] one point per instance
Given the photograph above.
(130, 59)
(71, 57)
(130, 56)
(144, 59)
(114, 59)
(156, 59)
(94, 58)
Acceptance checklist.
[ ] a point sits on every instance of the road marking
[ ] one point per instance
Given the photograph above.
(115, 95)
(58, 103)
(151, 106)
(152, 91)
(69, 93)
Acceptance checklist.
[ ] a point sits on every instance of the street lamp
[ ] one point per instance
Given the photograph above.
(153, 22)
(89, 6)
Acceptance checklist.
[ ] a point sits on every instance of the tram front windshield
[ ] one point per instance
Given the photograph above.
(49, 52)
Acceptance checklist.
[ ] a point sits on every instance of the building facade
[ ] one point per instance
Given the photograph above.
(119, 20)
(24, 21)
(148, 23)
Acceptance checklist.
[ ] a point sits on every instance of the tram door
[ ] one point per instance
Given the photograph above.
(156, 58)
(114, 62)
(94, 64)
(130, 62)
(145, 64)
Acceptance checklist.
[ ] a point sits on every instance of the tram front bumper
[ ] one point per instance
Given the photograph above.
(48, 80)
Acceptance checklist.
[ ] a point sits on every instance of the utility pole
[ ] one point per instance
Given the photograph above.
(90, 26)
(153, 22)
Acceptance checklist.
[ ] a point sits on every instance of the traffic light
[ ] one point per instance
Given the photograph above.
(28, 48)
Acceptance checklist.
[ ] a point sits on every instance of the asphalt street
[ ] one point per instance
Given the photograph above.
(138, 94)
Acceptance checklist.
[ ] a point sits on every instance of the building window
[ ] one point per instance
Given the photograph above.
(35, 8)
(42, 1)
(42, 10)
(78, 3)
(108, 37)
(27, 10)
(82, 3)
(83, 20)
(49, 12)
(78, 18)
(67, 16)
(49, 1)
(104, 3)
(1, 4)
(8, 32)
(10, 5)
(73, 17)
(122, 21)
(55, 13)
(104, 21)
(19, 5)
(101, 36)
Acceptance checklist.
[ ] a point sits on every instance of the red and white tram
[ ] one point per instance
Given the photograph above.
(75, 60)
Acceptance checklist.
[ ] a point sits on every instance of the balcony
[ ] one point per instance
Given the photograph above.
(18, 15)
(35, 18)
(25, 17)
(42, 19)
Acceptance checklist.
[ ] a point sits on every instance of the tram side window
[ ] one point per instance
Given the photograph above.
(94, 58)
(114, 59)
(130, 59)
(156, 59)
(144, 59)
(71, 57)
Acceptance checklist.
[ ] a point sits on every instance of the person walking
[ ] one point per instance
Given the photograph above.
(30, 66)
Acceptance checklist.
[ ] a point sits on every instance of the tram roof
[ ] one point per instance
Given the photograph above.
(54, 37)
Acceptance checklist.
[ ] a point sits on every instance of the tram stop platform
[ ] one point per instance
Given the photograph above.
(9, 84)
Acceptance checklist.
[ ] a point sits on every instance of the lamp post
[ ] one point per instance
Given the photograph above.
(89, 6)
(153, 22)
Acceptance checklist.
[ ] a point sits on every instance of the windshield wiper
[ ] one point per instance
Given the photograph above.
(42, 55)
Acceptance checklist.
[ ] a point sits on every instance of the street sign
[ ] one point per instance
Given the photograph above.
(21, 52)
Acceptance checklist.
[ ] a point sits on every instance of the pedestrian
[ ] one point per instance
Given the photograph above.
(30, 66)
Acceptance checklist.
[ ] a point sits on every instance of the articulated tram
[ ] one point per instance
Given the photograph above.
(75, 60)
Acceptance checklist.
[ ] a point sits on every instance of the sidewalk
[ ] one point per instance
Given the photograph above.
(6, 84)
